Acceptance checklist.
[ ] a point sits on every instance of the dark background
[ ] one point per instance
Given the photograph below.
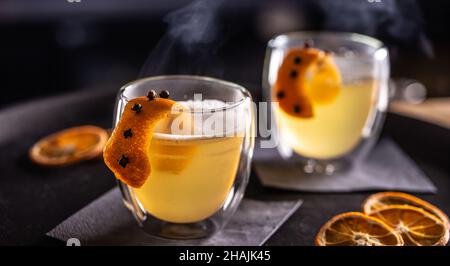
(50, 47)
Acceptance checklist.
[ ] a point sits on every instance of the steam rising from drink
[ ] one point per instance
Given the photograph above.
(193, 34)
(396, 22)
(196, 32)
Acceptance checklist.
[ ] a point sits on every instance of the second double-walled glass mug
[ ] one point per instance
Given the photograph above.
(198, 175)
(342, 130)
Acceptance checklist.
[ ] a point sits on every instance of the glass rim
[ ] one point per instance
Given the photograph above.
(245, 93)
(350, 36)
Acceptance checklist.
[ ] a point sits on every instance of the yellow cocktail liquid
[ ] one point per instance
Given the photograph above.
(336, 127)
(191, 176)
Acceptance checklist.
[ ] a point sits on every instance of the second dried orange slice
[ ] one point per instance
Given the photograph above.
(383, 199)
(416, 226)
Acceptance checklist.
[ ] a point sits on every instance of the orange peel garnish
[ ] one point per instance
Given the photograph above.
(306, 76)
(127, 151)
(357, 229)
(69, 146)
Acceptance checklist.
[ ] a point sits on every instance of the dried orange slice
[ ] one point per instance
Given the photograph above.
(69, 146)
(306, 76)
(383, 199)
(416, 226)
(357, 229)
(127, 151)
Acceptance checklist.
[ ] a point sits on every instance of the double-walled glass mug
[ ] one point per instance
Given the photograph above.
(341, 129)
(200, 156)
